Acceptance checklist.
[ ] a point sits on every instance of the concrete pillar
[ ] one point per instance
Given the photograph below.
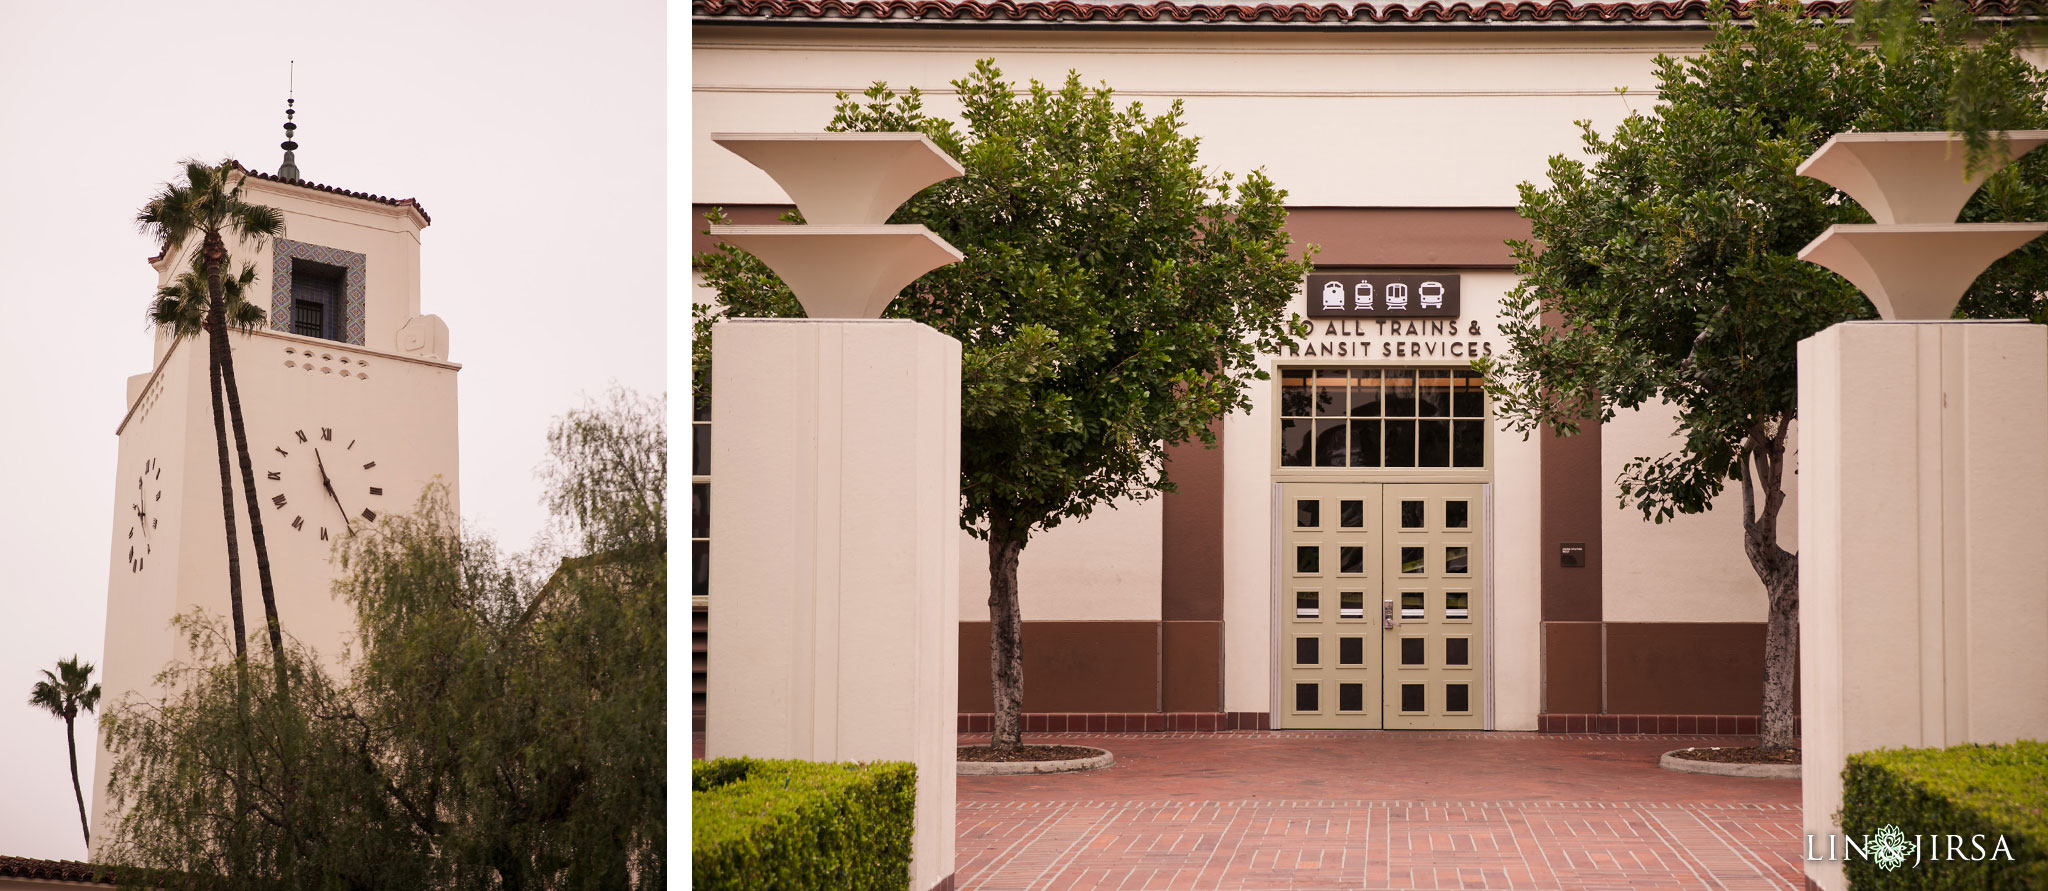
(1923, 574)
(834, 607)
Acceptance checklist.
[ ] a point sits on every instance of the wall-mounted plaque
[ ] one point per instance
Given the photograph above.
(1571, 554)
(1366, 295)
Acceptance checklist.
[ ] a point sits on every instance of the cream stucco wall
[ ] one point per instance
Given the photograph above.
(1386, 119)
(1104, 567)
(1690, 568)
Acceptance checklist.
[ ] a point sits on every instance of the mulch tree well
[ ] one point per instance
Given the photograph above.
(1739, 755)
(1027, 753)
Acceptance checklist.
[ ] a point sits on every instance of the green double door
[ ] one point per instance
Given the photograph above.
(1382, 590)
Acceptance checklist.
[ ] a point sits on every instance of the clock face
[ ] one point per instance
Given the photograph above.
(146, 502)
(322, 484)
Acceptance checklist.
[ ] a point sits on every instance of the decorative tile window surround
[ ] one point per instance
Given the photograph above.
(354, 266)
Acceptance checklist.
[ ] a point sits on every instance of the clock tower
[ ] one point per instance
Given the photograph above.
(348, 399)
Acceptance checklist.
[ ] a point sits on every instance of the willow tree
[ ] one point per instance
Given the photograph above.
(1112, 303)
(1665, 268)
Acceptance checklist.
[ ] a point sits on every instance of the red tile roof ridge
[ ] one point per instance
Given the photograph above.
(1167, 12)
(318, 187)
(53, 870)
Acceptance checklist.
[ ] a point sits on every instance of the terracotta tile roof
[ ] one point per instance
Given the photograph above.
(52, 870)
(394, 202)
(1690, 13)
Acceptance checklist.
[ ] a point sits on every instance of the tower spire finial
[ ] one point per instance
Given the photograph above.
(290, 168)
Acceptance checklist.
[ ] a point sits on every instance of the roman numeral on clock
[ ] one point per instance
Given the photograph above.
(301, 434)
(275, 474)
(369, 465)
(298, 522)
(279, 501)
(327, 434)
(376, 490)
(323, 533)
(281, 451)
(369, 514)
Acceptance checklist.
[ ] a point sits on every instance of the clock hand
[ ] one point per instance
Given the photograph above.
(329, 486)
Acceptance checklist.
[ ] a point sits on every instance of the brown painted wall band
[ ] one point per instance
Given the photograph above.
(1403, 237)
(1071, 667)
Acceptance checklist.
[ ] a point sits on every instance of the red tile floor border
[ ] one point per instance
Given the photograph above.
(1333, 809)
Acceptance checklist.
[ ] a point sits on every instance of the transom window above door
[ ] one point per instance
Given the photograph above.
(1382, 417)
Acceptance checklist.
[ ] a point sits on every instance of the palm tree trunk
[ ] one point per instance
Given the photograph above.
(71, 741)
(255, 523)
(216, 345)
(1005, 640)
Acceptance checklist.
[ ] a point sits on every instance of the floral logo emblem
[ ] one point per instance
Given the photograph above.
(1888, 848)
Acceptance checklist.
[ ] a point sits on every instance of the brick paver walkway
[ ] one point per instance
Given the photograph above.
(1317, 810)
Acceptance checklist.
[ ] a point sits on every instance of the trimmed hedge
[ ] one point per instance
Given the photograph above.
(1967, 790)
(800, 825)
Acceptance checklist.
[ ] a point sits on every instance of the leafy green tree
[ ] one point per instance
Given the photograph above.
(1113, 301)
(1665, 268)
(64, 693)
(500, 724)
(208, 206)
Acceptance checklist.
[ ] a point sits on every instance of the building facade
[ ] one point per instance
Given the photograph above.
(1368, 547)
(349, 406)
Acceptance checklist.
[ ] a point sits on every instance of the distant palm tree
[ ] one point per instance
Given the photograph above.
(181, 305)
(64, 694)
(208, 206)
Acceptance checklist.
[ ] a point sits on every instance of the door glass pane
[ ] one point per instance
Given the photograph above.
(1351, 514)
(1411, 515)
(1456, 560)
(1457, 651)
(1308, 513)
(1433, 393)
(1305, 698)
(1351, 651)
(700, 510)
(1468, 448)
(1365, 443)
(1411, 697)
(1307, 605)
(1411, 560)
(1470, 398)
(1457, 605)
(1411, 651)
(1400, 389)
(700, 568)
(1294, 450)
(1400, 444)
(1307, 650)
(1350, 559)
(1434, 448)
(1457, 698)
(1365, 392)
(1456, 514)
(1351, 605)
(1330, 443)
(1294, 393)
(1308, 558)
(1411, 605)
(1351, 697)
(700, 449)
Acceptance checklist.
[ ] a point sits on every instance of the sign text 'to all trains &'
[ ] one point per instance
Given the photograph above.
(1388, 316)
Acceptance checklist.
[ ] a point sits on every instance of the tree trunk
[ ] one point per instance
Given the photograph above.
(1763, 467)
(255, 522)
(216, 350)
(1005, 641)
(71, 741)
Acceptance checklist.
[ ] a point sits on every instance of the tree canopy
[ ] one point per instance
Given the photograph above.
(1664, 267)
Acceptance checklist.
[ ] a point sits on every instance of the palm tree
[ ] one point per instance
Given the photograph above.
(63, 694)
(209, 207)
(181, 305)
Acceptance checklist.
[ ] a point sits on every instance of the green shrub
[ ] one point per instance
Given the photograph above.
(800, 825)
(1968, 790)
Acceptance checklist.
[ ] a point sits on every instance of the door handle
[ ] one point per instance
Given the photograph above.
(1387, 614)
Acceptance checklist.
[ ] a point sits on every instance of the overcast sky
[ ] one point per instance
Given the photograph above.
(532, 132)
